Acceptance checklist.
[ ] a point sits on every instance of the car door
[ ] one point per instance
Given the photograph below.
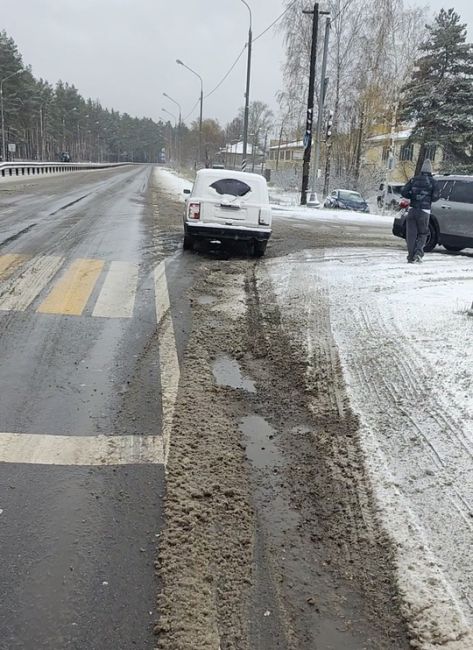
(460, 215)
(442, 209)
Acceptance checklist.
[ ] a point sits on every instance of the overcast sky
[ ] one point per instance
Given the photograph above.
(124, 52)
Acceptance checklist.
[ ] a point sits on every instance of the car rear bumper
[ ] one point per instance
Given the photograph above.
(234, 233)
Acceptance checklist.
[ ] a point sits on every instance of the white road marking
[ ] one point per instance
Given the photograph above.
(117, 297)
(161, 292)
(18, 293)
(170, 376)
(46, 449)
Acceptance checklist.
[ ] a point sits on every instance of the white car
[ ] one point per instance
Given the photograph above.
(226, 205)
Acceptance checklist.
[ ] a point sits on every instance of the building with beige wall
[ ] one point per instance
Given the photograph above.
(377, 150)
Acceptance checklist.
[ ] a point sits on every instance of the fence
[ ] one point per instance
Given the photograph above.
(15, 169)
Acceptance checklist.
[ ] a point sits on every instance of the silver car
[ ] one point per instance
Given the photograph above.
(451, 220)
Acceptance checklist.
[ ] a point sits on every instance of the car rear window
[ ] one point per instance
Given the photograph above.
(462, 192)
(231, 186)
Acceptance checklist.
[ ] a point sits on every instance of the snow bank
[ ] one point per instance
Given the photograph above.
(172, 183)
(404, 339)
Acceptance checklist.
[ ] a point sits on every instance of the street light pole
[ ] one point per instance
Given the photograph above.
(247, 93)
(2, 81)
(170, 136)
(179, 62)
(178, 127)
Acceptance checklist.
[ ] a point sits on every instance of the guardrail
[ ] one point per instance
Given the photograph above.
(26, 168)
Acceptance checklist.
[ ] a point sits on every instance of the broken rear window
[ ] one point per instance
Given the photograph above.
(231, 186)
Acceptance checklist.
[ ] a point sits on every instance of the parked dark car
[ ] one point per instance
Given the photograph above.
(346, 200)
(451, 219)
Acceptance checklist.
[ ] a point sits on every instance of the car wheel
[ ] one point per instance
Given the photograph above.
(432, 240)
(452, 249)
(188, 243)
(259, 248)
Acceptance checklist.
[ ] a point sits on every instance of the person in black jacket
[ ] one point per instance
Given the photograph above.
(422, 191)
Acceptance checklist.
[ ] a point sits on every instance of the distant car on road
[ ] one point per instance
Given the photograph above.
(346, 200)
(227, 205)
(451, 219)
(389, 197)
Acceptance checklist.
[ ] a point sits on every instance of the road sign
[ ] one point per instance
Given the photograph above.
(12, 148)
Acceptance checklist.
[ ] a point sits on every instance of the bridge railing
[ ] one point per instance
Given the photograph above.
(29, 168)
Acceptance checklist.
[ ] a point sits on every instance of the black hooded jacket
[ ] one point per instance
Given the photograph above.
(422, 191)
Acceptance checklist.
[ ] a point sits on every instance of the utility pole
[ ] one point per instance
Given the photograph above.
(322, 91)
(310, 104)
(247, 93)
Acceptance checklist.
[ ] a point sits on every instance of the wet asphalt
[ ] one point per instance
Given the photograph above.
(78, 543)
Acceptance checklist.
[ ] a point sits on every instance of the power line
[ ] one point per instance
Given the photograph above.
(191, 111)
(228, 72)
(275, 21)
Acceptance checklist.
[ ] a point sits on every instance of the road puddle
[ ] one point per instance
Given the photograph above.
(206, 300)
(261, 449)
(227, 372)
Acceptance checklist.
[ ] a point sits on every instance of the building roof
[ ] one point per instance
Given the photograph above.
(296, 144)
(399, 135)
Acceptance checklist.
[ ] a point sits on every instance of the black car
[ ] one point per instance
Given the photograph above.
(346, 200)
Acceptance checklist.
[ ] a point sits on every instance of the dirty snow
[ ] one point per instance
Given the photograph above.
(404, 338)
(171, 183)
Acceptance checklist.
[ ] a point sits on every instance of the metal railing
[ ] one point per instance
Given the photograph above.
(28, 168)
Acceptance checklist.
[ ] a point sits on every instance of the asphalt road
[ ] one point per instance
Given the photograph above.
(94, 321)
(83, 294)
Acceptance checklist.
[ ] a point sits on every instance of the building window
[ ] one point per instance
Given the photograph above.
(272, 155)
(430, 151)
(385, 154)
(407, 152)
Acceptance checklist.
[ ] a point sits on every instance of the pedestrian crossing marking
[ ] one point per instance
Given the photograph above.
(117, 298)
(20, 292)
(47, 449)
(8, 264)
(72, 292)
(26, 281)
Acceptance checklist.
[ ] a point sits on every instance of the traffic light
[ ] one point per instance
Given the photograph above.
(329, 125)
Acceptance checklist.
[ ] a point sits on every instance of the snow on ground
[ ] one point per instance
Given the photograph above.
(404, 339)
(172, 183)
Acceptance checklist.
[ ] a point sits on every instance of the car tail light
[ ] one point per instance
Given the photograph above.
(194, 211)
(264, 217)
(404, 203)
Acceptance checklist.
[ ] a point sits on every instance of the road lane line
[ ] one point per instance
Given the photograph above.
(46, 449)
(10, 262)
(170, 376)
(72, 292)
(19, 293)
(117, 298)
(161, 292)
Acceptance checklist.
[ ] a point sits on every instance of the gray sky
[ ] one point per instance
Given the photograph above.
(123, 52)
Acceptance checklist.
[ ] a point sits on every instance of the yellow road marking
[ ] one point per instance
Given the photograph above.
(9, 262)
(71, 293)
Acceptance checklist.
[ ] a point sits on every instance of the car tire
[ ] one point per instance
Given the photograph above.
(259, 248)
(188, 243)
(453, 249)
(433, 239)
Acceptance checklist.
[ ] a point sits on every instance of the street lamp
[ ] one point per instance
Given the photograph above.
(179, 62)
(170, 131)
(2, 81)
(178, 126)
(247, 93)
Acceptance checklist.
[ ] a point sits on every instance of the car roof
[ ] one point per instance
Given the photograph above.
(214, 174)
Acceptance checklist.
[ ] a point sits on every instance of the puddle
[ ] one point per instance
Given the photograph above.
(227, 372)
(206, 300)
(261, 449)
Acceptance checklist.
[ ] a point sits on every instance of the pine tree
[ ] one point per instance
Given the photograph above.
(439, 97)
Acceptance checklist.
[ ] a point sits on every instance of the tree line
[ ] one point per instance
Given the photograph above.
(389, 65)
(44, 121)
